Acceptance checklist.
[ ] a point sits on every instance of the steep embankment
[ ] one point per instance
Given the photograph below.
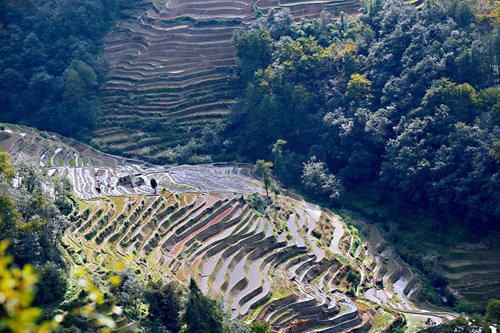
(473, 272)
(169, 70)
(289, 262)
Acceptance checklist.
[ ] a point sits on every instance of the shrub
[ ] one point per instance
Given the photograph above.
(493, 311)
(316, 233)
(257, 327)
(353, 277)
(52, 284)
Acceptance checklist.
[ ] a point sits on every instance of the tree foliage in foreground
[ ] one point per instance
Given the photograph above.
(493, 311)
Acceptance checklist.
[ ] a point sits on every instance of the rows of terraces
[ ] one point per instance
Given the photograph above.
(285, 261)
(169, 70)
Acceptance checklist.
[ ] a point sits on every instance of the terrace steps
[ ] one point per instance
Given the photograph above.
(243, 253)
(473, 273)
(177, 49)
(203, 225)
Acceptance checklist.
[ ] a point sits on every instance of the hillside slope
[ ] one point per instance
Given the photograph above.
(289, 263)
(169, 70)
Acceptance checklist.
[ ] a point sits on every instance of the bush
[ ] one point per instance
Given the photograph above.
(464, 306)
(353, 277)
(316, 233)
(493, 311)
(52, 284)
(429, 292)
(2, 127)
(257, 327)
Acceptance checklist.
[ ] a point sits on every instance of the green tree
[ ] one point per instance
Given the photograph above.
(202, 314)
(74, 87)
(9, 217)
(358, 88)
(495, 152)
(318, 180)
(86, 74)
(32, 213)
(278, 155)
(165, 304)
(52, 284)
(493, 311)
(254, 51)
(461, 99)
(262, 170)
(463, 12)
(257, 327)
(5, 167)
(154, 184)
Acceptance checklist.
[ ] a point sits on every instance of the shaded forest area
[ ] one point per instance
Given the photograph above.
(400, 99)
(50, 70)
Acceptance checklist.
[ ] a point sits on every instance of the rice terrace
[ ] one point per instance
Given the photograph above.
(249, 166)
(291, 263)
(169, 67)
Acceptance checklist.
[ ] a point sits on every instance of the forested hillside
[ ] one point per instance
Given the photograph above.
(50, 70)
(346, 177)
(402, 99)
(171, 77)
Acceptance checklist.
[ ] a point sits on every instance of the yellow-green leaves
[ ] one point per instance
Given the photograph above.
(6, 167)
(358, 88)
(9, 216)
(17, 286)
(16, 295)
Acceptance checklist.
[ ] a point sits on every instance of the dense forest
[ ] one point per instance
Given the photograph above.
(402, 99)
(50, 69)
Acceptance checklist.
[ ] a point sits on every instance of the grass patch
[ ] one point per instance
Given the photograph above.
(414, 323)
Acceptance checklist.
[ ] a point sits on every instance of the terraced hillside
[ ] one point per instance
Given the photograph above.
(169, 68)
(474, 273)
(286, 262)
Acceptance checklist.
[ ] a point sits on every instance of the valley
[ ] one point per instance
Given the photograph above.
(249, 166)
(288, 262)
